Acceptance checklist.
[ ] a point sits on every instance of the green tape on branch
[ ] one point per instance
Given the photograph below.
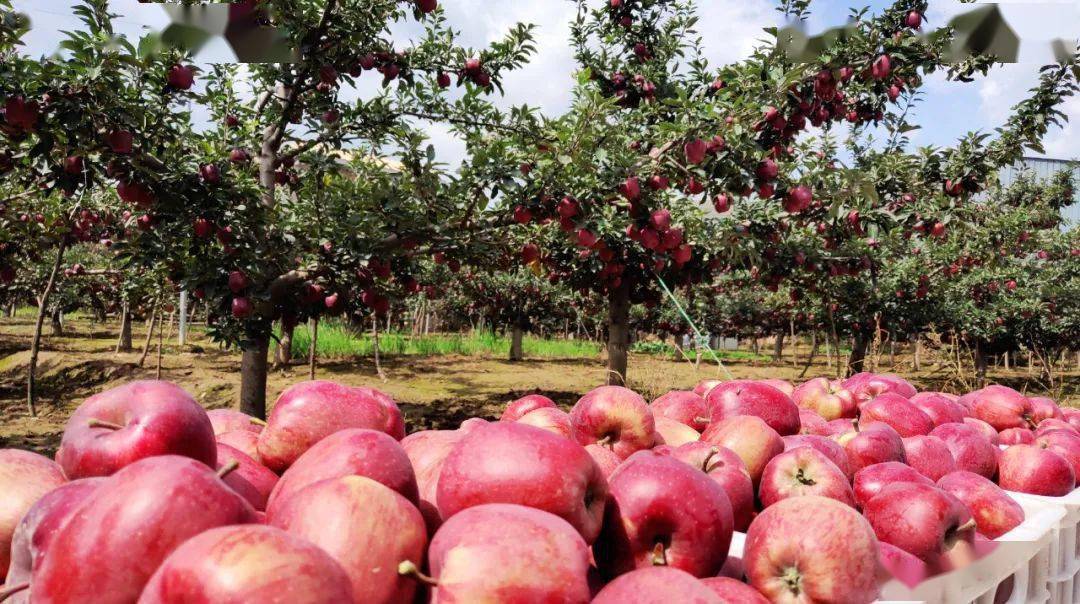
(690, 322)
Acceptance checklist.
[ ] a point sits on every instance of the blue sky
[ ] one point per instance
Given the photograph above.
(729, 28)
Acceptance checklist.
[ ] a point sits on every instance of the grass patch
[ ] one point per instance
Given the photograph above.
(338, 341)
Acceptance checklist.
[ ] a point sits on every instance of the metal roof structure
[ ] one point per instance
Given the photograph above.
(1043, 168)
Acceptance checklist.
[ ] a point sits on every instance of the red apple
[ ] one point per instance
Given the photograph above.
(308, 412)
(367, 527)
(825, 397)
(1002, 408)
(824, 445)
(245, 441)
(530, 402)
(865, 386)
(615, 417)
(750, 438)
(870, 480)
(36, 530)
(971, 450)
(733, 591)
(986, 430)
(725, 468)
(137, 420)
(683, 406)
(181, 77)
(505, 553)
(427, 450)
(898, 412)
(673, 433)
(812, 549)
(920, 519)
(744, 397)
(940, 409)
(1031, 469)
(812, 423)
(929, 456)
(1065, 444)
(248, 563)
(657, 585)
(995, 513)
(508, 462)
(1043, 408)
(1072, 416)
(107, 550)
(354, 452)
(782, 385)
(872, 443)
(1016, 436)
(250, 479)
(24, 478)
(1049, 425)
(227, 420)
(803, 471)
(605, 459)
(663, 512)
(552, 419)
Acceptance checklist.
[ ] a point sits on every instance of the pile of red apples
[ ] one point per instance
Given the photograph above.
(838, 486)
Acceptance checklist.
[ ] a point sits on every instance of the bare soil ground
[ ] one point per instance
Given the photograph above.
(434, 392)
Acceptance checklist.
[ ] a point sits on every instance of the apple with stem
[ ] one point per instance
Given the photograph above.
(920, 519)
(107, 550)
(995, 513)
(750, 438)
(140, 419)
(803, 471)
(664, 513)
(812, 549)
(725, 468)
(614, 417)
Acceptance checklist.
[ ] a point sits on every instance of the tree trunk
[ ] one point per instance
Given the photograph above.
(149, 336)
(813, 353)
(980, 365)
(778, 347)
(618, 335)
(918, 351)
(517, 352)
(56, 318)
(123, 343)
(160, 338)
(375, 342)
(794, 345)
(1005, 359)
(313, 347)
(859, 346)
(253, 369)
(11, 310)
(283, 355)
(35, 342)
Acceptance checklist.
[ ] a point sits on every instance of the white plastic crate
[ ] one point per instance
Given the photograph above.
(1019, 566)
(1063, 575)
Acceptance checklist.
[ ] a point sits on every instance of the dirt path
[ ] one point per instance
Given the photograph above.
(432, 391)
